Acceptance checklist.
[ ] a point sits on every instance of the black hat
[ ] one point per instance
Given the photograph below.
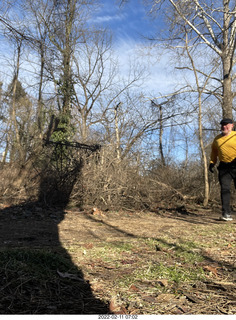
(226, 121)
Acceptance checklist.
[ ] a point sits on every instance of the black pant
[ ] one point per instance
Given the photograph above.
(227, 173)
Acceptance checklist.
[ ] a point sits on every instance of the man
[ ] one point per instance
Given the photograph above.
(224, 148)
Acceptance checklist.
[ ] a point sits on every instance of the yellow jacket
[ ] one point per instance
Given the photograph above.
(224, 147)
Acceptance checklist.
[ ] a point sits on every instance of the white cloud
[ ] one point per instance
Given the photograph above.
(159, 79)
(107, 18)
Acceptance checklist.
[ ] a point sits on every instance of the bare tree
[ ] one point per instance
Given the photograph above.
(118, 146)
(94, 74)
(212, 24)
(16, 148)
(160, 106)
(37, 12)
(63, 27)
(201, 80)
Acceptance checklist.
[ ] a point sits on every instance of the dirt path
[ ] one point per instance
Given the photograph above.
(117, 226)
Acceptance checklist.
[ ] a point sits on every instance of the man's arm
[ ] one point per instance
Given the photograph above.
(214, 155)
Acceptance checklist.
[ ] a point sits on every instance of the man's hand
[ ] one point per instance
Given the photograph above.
(211, 167)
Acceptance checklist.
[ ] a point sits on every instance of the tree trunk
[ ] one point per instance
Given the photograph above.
(14, 127)
(227, 103)
(40, 103)
(203, 153)
(200, 90)
(118, 153)
(160, 138)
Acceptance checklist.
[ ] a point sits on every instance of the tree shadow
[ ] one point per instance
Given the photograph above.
(174, 246)
(184, 214)
(37, 274)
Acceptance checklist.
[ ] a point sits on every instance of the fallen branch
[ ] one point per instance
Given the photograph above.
(182, 196)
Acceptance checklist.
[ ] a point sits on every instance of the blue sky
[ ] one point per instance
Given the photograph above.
(131, 26)
(126, 21)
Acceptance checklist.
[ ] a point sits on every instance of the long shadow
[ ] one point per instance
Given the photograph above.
(37, 274)
(183, 214)
(177, 247)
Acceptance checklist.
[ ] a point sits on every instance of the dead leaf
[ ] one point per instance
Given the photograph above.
(211, 269)
(112, 306)
(163, 282)
(133, 288)
(115, 308)
(191, 298)
(69, 276)
(165, 297)
(96, 211)
(88, 245)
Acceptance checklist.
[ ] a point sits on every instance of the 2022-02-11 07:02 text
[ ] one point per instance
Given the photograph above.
(118, 316)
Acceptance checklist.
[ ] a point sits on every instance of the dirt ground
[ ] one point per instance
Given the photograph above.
(110, 246)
